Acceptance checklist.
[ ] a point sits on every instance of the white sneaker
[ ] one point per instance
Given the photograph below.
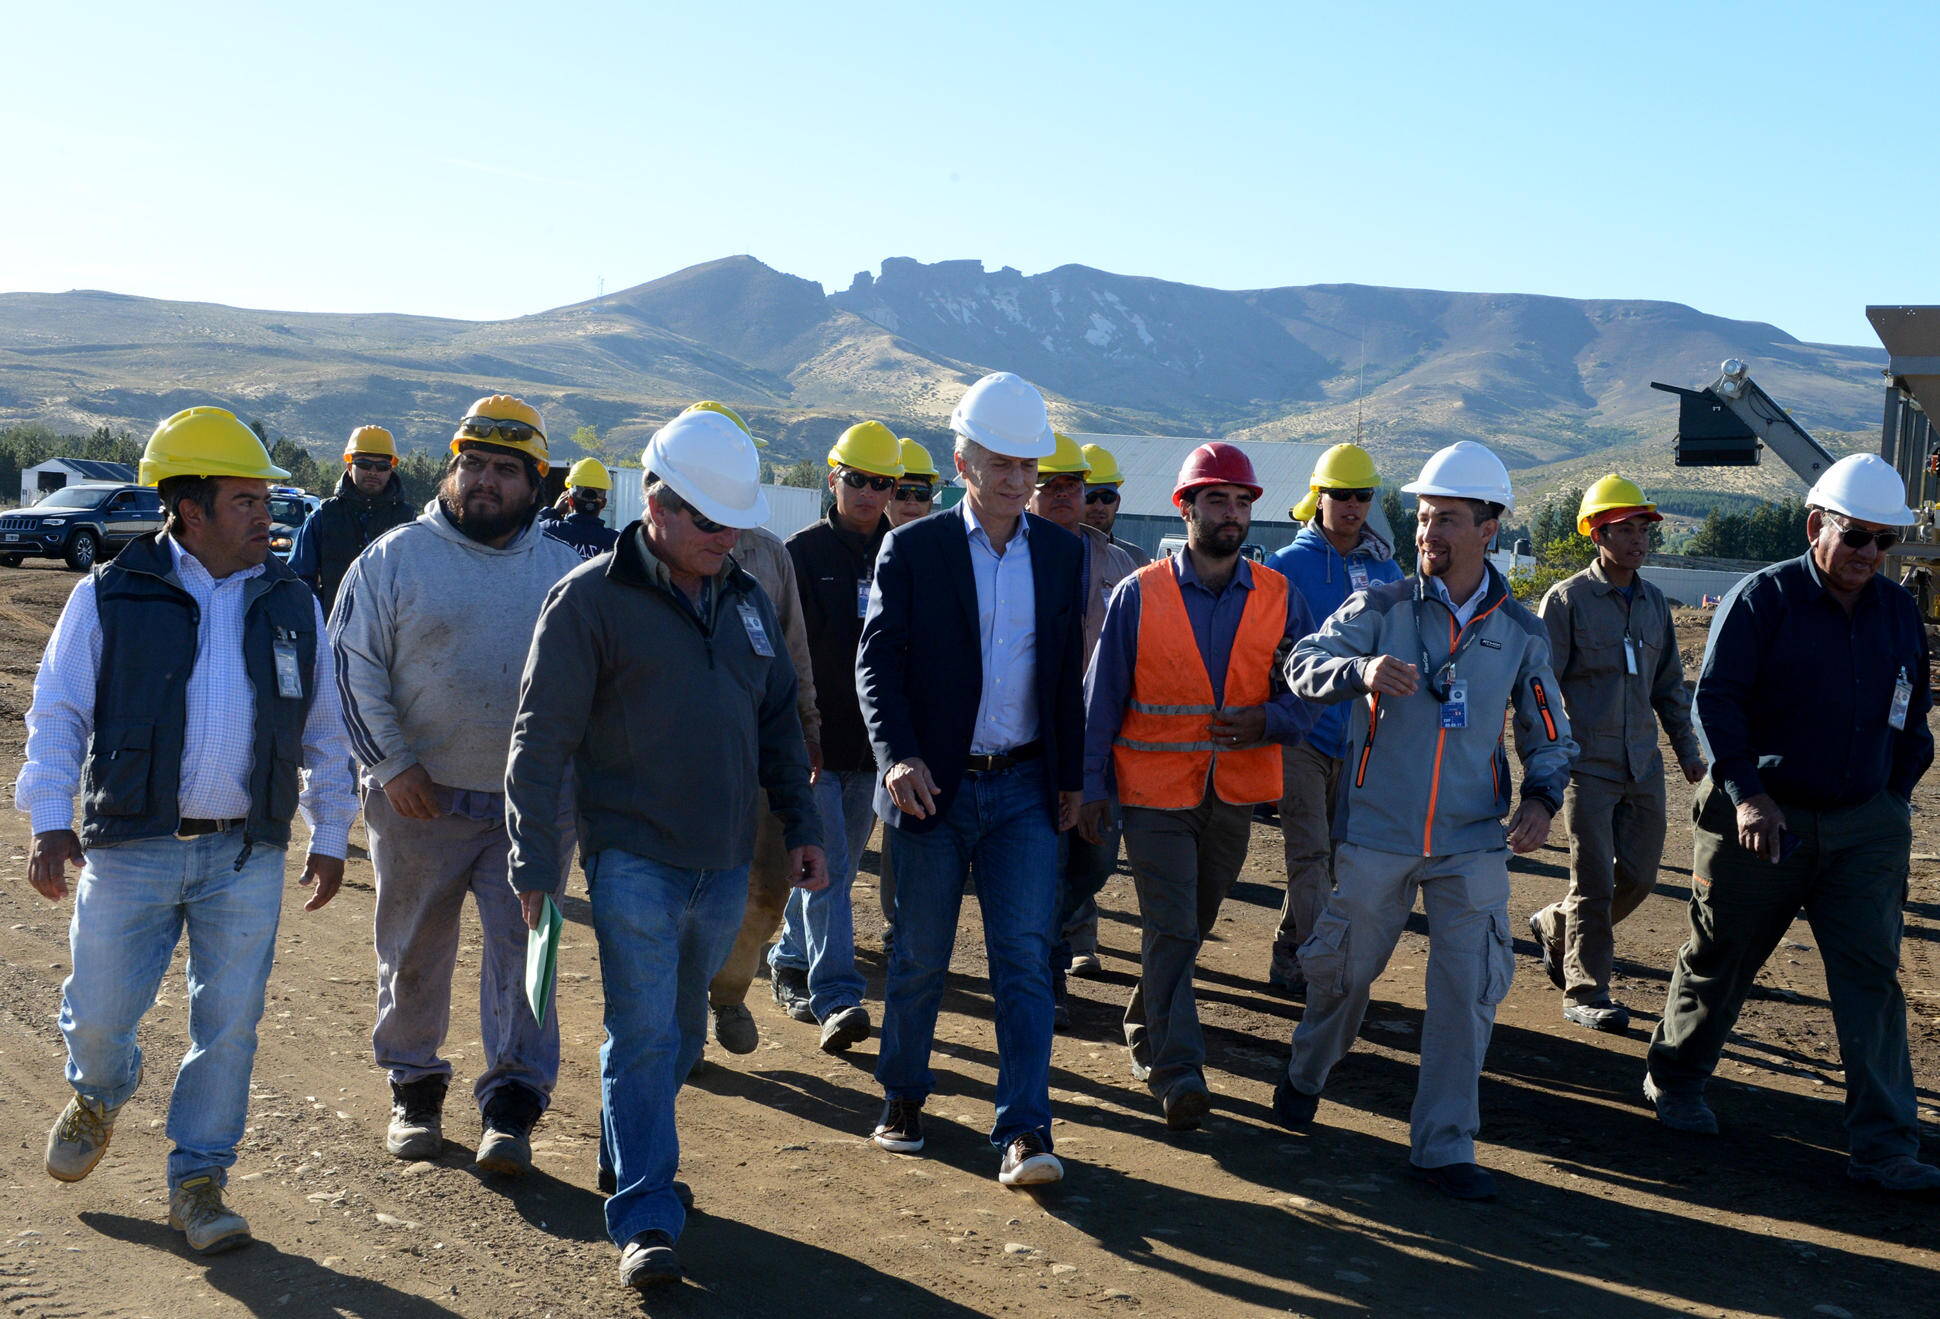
(1028, 1163)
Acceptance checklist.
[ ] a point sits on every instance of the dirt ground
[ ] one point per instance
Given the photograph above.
(1601, 1213)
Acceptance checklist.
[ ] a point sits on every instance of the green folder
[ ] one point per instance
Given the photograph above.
(542, 960)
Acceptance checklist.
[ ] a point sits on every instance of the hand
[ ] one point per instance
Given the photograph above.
(1693, 770)
(413, 795)
(911, 788)
(47, 864)
(814, 759)
(1091, 821)
(808, 869)
(1760, 823)
(1391, 676)
(1069, 804)
(1240, 726)
(327, 873)
(533, 904)
(1529, 828)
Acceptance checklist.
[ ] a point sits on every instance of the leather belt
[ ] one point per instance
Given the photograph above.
(197, 828)
(1010, 759)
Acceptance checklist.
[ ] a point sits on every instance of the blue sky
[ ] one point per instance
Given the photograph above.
(1771, 162)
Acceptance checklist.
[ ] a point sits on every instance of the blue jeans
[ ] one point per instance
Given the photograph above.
(663, 932)
(1000, 824)
(818, 929)
(130, 908)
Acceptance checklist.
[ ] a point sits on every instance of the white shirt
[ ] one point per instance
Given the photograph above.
(218, 746)
(1466, 610)
(1007, 628)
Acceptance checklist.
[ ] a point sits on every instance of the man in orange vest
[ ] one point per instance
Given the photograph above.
(1185, 712)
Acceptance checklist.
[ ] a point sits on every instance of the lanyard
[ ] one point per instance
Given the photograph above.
(1445, 672)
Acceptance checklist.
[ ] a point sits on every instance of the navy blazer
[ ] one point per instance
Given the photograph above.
(919, 669)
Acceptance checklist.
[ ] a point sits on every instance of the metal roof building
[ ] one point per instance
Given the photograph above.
(58, 473)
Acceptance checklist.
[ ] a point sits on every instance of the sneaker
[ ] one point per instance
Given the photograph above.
(790, 987)
(417, 1118)
(79, 1138)
(1186, 1105)
(1458, 1181)
(1293, 1109)
(1284, 972)
(1601, 1015)
(1552, 957)
(649, 1260)
(195, 1209)
(901, 1128)
(734, 1028)
(1901, 1175)
(844, 1027)
(1028, 1163)
(1687, 1113)
(509, 1114)
(1085, 966)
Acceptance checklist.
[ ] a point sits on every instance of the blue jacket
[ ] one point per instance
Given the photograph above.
(1325, 578)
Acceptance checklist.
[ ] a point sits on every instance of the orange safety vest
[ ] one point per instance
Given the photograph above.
(1164, 749)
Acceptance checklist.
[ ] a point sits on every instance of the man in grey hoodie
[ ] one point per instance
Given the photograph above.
(431, 628)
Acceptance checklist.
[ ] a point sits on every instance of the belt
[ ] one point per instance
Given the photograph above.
(1011, 759)
(196, 828)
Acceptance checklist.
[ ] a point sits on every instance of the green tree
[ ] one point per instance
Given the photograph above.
(303, 469)
(1402, 526)
(807, 474)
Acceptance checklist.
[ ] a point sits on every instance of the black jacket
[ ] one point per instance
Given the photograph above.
(833, 568)
(347, 523)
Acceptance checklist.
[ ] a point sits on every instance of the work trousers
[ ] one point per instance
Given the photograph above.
(1849, 873)
(1470, 964)
(1616, 842)
(818, 929)
(1306, 831)
(1183, 865)
(1087, 868)
(768, 890)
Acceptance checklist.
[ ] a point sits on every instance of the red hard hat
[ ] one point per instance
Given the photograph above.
(1217, 463)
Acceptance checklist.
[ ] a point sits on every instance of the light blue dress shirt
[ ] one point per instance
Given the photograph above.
(1007, 627)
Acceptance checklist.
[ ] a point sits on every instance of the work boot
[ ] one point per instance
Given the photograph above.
(734, 1028)
(845, 1026)
(509, 1114)
(649, 1261)
(1686, 1113)
(79, 1138)
(1901, 1175)
(1459, 1181)
(1186, 1105)
(790, 987)
(195, 1209)
(1602, 1015)
(1293, 1109)
(1551, 955)
(1284, 973)
(417, 1118)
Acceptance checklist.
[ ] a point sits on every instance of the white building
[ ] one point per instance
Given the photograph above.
(58, 473)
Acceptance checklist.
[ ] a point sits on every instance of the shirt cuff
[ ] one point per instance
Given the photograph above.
(331, 840)
(1739, 785)
(52, 816)
(1280, 725)
(391, 766)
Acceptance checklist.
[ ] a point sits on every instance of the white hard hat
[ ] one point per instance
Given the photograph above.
(1863, 486)
(1006, 415)
(1464, 470)
(711, 463)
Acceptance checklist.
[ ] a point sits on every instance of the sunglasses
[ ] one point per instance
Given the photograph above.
(1363, 496)
(1102, 494)
(706, 526)
(1856, 538)
(372, 464)
(921, 494)
(858, 480)
(484, 428)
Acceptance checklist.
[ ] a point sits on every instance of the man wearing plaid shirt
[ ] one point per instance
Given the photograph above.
(182, 689)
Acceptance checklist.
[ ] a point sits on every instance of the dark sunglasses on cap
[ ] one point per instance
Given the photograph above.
(372, 464)
(484, 428)
(921, 494)
(1858, 538)
(1361, 496)
(857, 480)
(1101, 494)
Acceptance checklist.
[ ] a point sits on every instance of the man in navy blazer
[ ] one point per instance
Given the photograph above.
(971, 672)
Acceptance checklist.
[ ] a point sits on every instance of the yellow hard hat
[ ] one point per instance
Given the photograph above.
(868, 446)
(206, 441)
(709, 405)
(1612, 495)
(504, 407)
(1103, 465)
(589, 474)
(917, 460)
(1066, 458)
(1343, 467)
(370, 439)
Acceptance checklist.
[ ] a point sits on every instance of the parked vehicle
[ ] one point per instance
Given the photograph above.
(289, 509)
(79, 524)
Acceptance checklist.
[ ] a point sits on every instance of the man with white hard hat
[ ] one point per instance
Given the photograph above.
(666, 846)
(1430, 664)
(1813, 704)
(970, 672)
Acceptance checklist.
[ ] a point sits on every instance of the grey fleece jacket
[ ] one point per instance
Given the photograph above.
(431, 630)
(1411, 784)
(673, 724)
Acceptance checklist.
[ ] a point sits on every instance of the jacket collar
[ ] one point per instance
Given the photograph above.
(633, 564)
(156, 555)
(392, 493)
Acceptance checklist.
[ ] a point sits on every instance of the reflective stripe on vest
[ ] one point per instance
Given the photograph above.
(1164, 751)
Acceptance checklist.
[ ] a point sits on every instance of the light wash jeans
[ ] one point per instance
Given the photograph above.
(1001, 825)
(663, 932)
(130, 908)
(818, 929)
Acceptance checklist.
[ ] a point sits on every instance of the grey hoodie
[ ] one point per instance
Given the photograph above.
(431, 630)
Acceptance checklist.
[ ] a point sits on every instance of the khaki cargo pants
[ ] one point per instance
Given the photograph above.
(1616, 843)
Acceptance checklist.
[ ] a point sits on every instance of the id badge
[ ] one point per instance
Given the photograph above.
(862, 598)
(757, 634)
(1902, 699)
(1630, 657)
(1455, 708)
(289, 676)
(1357, 574)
